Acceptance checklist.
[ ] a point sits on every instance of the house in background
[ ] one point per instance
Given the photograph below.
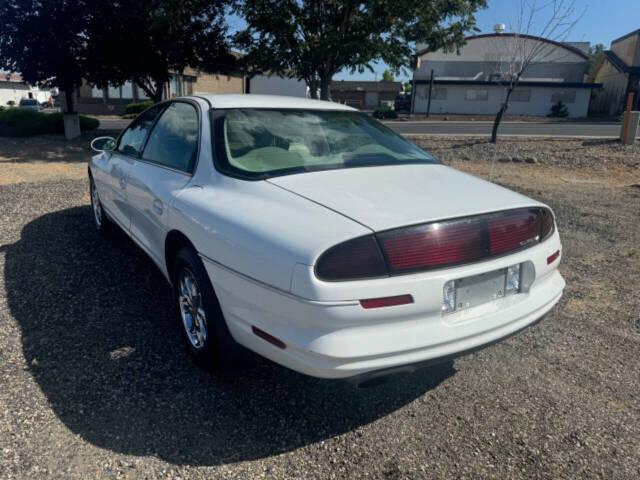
(114, 100)
(365, 95)
(619, 72)
(473, 82)
(13, 89)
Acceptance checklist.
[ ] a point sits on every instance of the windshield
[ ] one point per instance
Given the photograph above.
(256, 143)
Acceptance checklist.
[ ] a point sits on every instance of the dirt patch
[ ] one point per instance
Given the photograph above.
(45, 157)
(598, 155)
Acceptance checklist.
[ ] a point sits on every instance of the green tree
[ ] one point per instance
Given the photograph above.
(46, 42)
(312, 40)
(595, 52)
(146, 40)
(387, 76)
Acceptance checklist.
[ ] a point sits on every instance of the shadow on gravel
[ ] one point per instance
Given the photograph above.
(99, 335)
(50, 147)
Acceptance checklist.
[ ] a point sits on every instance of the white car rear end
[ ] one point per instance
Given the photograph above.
(328, 243)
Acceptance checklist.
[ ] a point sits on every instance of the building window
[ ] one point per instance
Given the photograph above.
(142, 95)
(476, 94)
(521, 95)
(175, 86)
(126, 90)
(181, 85)
(189, 82)
(437, 93)
(96, 92)
(564, 96)
(123, 91)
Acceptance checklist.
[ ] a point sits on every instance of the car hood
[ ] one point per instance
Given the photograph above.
(384, 197)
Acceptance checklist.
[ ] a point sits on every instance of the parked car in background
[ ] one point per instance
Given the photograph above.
(29, 104)
(317, 237)
(402, 103)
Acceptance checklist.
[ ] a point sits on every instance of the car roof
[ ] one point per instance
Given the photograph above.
(244, 100)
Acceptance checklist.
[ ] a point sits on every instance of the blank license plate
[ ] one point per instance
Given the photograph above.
(479, 289)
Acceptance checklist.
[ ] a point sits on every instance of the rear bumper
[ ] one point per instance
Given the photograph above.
(340, 339)
(379, 376)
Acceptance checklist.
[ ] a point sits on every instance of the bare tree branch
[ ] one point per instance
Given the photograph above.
(523, 48)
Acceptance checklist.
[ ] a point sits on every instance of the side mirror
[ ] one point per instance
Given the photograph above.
(103, 144)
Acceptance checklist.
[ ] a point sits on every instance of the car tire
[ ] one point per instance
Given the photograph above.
(100, 220)
(200, 317)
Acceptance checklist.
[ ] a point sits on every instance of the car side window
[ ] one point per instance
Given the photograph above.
(174, 140)
(132, 140)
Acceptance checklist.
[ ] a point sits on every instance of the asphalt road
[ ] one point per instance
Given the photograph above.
(509, 128)
(560, 129)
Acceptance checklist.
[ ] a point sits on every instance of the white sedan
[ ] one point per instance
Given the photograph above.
(315, 236)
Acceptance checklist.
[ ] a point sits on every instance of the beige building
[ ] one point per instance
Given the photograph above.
(365, 94)
(114, 100)
(619, 73)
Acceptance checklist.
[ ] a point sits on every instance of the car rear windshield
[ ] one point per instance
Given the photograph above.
(262, 143)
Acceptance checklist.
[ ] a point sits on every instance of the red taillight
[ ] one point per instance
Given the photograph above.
(357, 258)
(552, 258)
(513, 230)
(386, 301)
(547, 224)
(433, 244)
(436, 245)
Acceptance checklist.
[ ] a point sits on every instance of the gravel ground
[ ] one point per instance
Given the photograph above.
(94, 382)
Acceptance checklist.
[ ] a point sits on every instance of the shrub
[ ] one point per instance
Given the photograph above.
(54, 124)
(384, 112)
(18, 122)
(130, 115)
(138, 107)
(559, 110)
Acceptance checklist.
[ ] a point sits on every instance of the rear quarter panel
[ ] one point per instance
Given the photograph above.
(258, 229)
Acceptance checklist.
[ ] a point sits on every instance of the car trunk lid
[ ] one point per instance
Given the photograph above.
(385, 197)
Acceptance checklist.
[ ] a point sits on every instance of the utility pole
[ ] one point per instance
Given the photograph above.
(413, 87)
(430, 90)
(625, 138)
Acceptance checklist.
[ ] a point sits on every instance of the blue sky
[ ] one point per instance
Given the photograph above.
(603, 21)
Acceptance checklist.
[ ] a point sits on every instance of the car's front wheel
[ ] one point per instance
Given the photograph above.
(202, 323)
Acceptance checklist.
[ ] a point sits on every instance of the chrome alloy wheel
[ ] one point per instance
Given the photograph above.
(97, 207)
(194, 319)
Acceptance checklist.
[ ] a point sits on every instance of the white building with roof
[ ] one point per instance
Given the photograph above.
(474, 80)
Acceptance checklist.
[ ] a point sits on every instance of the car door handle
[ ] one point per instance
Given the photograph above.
(157, 206)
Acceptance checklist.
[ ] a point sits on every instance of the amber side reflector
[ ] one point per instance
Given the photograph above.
(269, 338)
(553, 258)
(386, 301)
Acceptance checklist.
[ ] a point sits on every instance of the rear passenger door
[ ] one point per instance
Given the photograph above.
(167, 163)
